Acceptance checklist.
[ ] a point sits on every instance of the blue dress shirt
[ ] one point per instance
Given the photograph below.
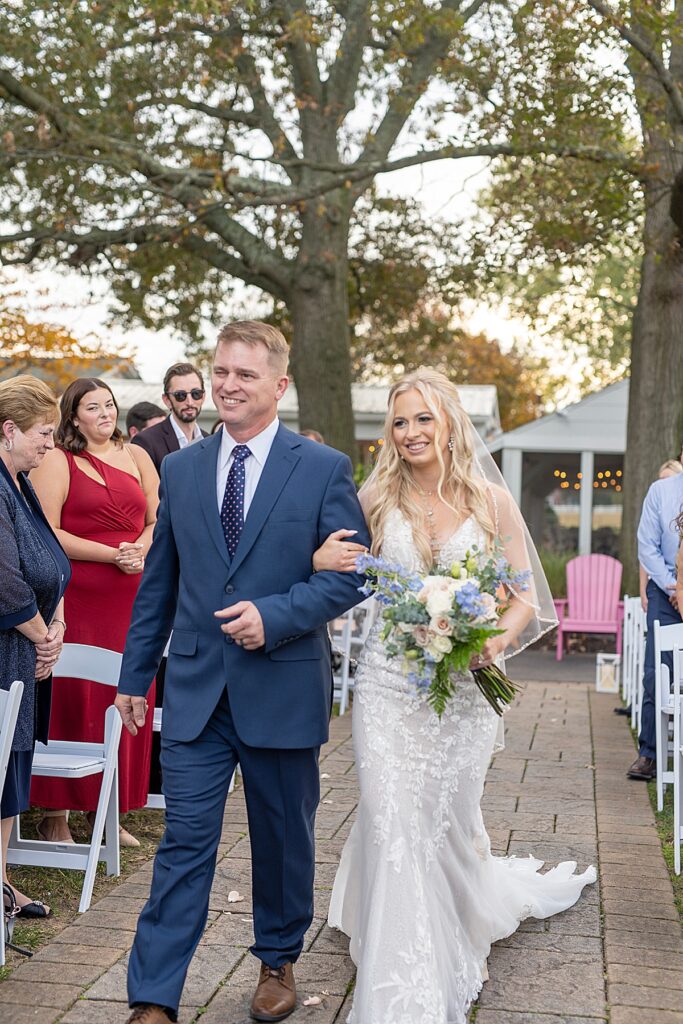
(658, 538)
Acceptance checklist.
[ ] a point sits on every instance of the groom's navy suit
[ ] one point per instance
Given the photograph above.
(266, 709)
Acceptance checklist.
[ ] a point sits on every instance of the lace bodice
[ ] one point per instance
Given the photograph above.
(399, 545)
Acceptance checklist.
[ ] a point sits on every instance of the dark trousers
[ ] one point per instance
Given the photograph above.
(658, 607)
(282, 791)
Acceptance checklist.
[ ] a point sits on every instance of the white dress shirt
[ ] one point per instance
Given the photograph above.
(182, 437)
(259, 446)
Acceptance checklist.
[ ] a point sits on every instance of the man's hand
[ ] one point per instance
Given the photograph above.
(133, 711)
(246, 627)
(673, 596)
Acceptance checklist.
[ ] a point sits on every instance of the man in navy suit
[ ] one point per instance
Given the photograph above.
(241, 514)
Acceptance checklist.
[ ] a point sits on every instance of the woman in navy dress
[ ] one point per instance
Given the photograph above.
(35, 572)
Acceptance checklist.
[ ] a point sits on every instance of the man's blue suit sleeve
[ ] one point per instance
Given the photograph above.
(325, 595)
(155, 604)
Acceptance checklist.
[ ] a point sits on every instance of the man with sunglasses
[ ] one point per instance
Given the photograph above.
(184, 397)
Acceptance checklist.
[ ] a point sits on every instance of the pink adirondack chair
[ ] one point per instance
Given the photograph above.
(592, 604)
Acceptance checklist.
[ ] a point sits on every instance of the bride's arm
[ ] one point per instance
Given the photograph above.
(519, 610)
(338, 553)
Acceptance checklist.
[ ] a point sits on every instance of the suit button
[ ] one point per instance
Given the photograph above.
(229, 640)
(229, 589)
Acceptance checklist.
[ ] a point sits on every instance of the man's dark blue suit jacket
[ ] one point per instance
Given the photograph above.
(280, 694)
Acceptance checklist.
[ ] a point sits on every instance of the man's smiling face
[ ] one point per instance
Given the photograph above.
(245, 388)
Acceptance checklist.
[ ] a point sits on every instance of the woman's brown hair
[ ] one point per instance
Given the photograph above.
(68, 435)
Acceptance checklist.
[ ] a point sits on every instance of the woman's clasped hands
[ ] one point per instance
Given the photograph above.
(130, 557)
(49, 649)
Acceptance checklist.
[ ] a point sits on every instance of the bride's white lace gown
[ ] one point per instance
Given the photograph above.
(418, 891)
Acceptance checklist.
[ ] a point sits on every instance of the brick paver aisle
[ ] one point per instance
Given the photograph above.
(557, 791)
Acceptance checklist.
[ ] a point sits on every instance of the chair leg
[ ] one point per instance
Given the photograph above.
(678, 796)
(107, 816)
(662, 758)
(560, 644)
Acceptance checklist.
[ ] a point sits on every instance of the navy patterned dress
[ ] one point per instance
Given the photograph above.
(34, 572)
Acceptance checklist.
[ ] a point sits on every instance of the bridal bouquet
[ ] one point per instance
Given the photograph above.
(439, 622)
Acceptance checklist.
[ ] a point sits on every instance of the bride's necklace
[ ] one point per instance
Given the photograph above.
(429, 509)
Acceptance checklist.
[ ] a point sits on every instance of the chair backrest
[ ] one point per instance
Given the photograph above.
(667, 637)
(593, 585)
(80, 661)
(9, 712)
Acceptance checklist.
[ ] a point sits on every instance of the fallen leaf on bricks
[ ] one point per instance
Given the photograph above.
(313, 1001)
(234, 897)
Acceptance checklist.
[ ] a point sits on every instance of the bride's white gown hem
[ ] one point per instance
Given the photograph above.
(418, 891)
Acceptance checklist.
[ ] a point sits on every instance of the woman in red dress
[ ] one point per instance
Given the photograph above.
(100, 496)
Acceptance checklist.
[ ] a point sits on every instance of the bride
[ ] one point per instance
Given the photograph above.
(418, 890)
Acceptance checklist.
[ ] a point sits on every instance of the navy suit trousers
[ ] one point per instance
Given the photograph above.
(658, 607)
(282, 791)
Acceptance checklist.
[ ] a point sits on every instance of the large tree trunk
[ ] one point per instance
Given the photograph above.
(655, 413)
(319, 309)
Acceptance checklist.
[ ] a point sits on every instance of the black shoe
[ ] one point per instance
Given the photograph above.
(643, 768)
(621, 710)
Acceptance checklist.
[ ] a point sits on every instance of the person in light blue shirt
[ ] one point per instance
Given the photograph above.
(658, 542)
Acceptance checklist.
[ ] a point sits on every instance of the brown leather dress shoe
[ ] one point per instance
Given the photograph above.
(147, 1013)
(643, 768)
(275, 996)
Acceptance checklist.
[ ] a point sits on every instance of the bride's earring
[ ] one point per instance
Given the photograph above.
(451, 443)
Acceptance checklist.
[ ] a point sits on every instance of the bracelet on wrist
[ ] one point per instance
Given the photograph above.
(61, 623)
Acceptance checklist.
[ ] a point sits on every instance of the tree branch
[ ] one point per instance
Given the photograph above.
(303, 58)
(236, 267)
(415, 79)
(647, 52)
(339, 91)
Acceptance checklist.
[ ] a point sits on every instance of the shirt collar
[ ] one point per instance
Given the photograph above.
(179, 433)
(259, 446)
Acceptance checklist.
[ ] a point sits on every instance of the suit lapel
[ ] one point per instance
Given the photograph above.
(172, 442)
(277, 470)
(205, 467)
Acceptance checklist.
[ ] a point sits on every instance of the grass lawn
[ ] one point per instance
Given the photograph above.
(61, 889)
(665, 827)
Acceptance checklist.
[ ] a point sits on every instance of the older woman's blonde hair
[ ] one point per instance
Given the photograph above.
(671, 466)
(460, 485)
(26, 400)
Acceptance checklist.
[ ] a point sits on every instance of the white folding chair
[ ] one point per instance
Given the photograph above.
(76, 760)
(678, 756)
(627, 661)
(665, 639)
(9, 712)
(157, 801)
(638, 659)
(349, 637)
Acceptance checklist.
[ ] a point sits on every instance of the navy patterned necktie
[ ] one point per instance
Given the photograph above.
(232, 509)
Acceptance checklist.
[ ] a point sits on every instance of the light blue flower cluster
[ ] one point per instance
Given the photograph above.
(506, 576)
(469, 600)
(389, 582)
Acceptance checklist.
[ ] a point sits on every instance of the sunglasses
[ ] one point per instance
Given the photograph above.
(180, 396)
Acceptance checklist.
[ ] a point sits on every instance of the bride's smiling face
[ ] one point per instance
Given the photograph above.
(416, 432)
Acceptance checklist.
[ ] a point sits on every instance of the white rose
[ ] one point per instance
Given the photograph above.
(439, 603)
(442, 644)
(434, 653)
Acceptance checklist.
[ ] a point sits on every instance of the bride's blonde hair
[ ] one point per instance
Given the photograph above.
(392, 485)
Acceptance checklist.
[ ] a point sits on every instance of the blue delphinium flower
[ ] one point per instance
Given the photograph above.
(469, 600)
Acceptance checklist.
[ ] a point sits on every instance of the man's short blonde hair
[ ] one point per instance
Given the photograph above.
(253, 332)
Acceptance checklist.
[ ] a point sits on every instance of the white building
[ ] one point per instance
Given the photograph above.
(566, 469)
